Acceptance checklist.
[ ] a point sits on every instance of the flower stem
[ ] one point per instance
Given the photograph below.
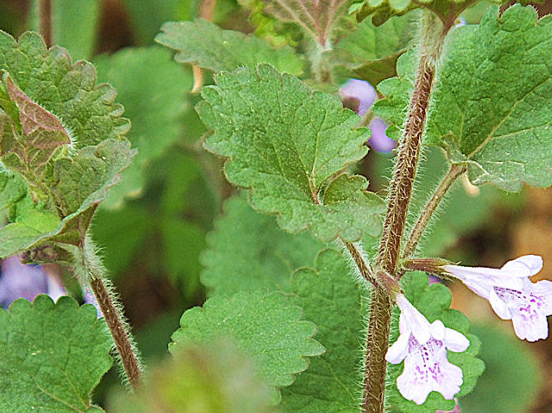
(454, 172)
(45, 21)
(433, 33)
(90, 268)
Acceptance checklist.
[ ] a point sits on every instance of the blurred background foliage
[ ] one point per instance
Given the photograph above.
(154, 227)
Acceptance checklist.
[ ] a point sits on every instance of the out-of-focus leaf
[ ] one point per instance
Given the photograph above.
(370, 52)
(154, 100)
(289, 144)
(147, 16)
(215, 378)
(206, 45)
(74, 25)
(52, 356)
(247, 252)
(265, 326)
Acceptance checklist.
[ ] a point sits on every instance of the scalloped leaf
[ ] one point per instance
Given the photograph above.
(433, 301)
(62, 133)
(206, 45)
(490, 106)
(333, 299)
(370, 52)
(248, 252)
(53, 356)
(265, 327)
(290, 146)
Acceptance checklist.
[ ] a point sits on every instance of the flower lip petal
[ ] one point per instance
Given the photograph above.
(399, 350)
(499, 306)
(456, 341)
(524, 266)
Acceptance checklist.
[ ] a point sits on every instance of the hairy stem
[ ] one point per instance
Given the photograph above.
(432, 36)
(90, 268)
(45, 21)
(360, 262)
(454, 172)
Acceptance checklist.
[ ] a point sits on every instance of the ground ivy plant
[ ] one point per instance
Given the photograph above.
(327, 307)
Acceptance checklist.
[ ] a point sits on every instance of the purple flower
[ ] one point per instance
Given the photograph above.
(364, 96)
(423, 347)
(18, 280)
(512, 294)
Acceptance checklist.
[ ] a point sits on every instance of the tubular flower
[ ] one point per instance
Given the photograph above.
(423, 347)
(512, 294)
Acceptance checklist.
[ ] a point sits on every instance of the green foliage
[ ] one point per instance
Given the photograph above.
(52, 356)
(290, 146)
(506, 386)
(433, 302)
(247, 252)
(333, 299)
(64, 136)
(491, 107)
(74, 25)
(216, 377)
(370, 52)
(206, 45)
(153, 98)
(265, 326)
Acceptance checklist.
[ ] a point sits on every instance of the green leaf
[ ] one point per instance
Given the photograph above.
(382, 10)
(265, 326)
(64, 136)
(12, 189)
(316, 18)
(217, 377)
(289, 144)
(153, 98)
(370, 53)
(433, 302)
(491, 107)
(247, 252)
(53, 356)
(206, 45)
(74, 25)
(333, 299)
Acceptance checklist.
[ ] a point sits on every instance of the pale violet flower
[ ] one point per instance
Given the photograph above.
(364, 96)
(512, 294)
(423, 347)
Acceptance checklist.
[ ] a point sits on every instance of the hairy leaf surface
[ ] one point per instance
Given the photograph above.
(291, 146)
(206, 45)
(265, 327)
(53, 356)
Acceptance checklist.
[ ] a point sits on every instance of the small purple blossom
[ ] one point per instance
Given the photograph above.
(423, 347)
(511, 293)
(18, 280)
(362, 92)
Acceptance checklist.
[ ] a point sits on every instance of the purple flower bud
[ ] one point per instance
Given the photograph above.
(26, 281)
(379, 141)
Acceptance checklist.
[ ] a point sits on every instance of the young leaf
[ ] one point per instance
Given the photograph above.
(153, 98)
(63, 135)
(53, 356)
(247, 251)
(206, 45)
(315, 17)
(433, 302)
(288, 145)
(217, 377)
(492, 106)
(331, 298)
(265, 327)
(370, 52)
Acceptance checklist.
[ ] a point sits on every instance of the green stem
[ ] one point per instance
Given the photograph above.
(433, 34)
(454, 172)
(90, 268)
